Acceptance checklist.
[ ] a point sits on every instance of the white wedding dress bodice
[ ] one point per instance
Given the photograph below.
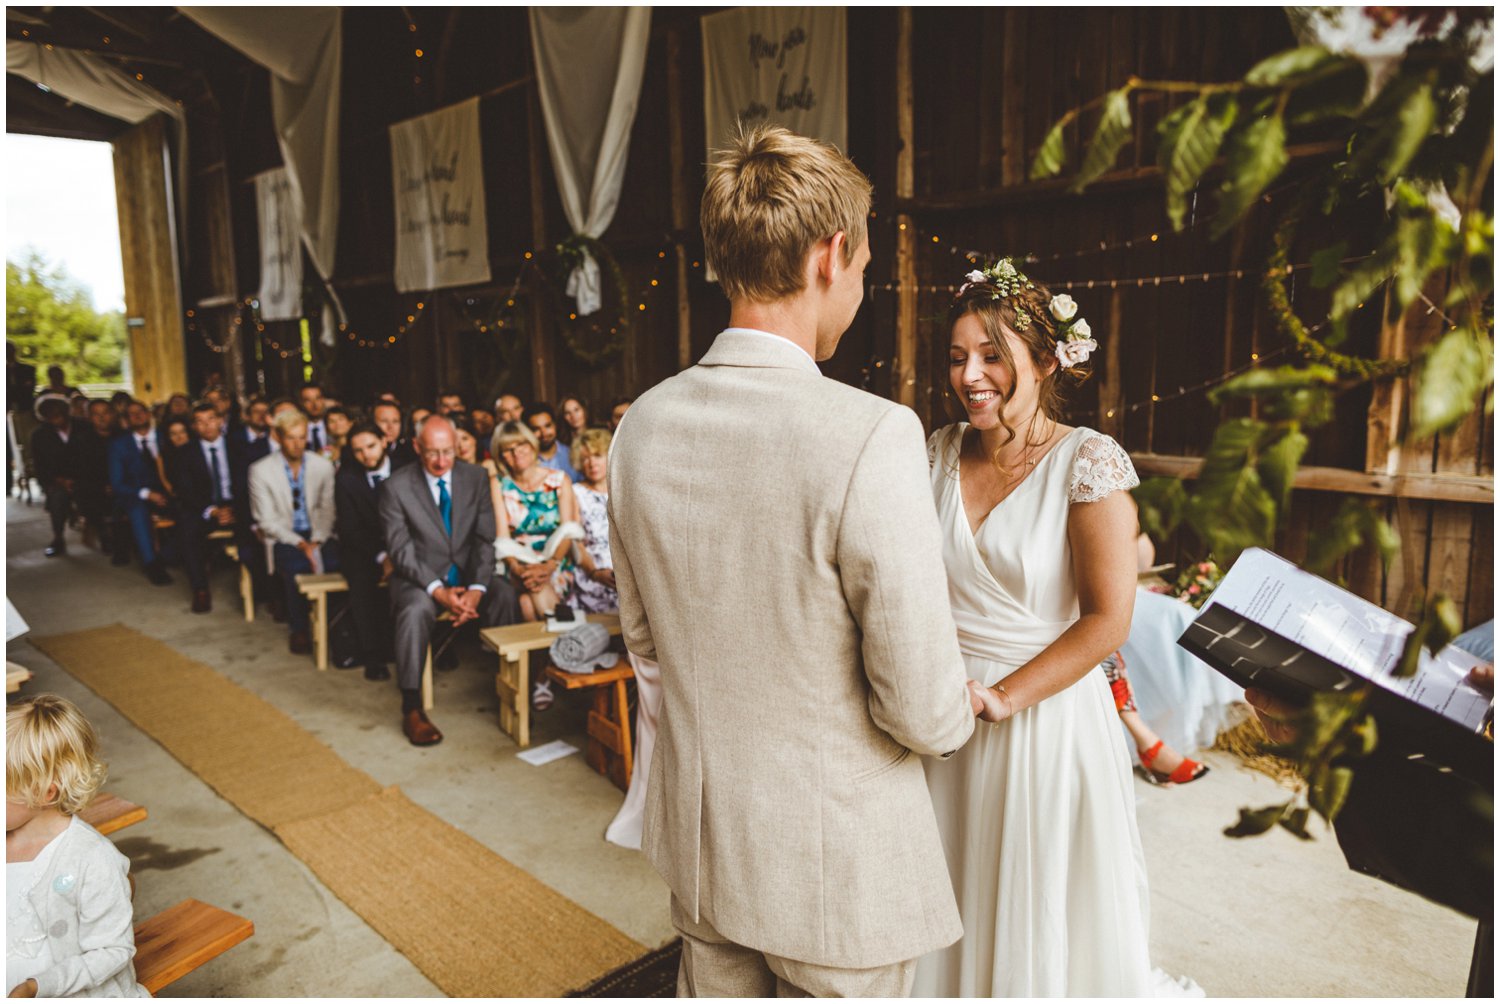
(1037, 814)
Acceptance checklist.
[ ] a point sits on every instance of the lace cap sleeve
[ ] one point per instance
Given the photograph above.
(1100, 467)
(935, 445)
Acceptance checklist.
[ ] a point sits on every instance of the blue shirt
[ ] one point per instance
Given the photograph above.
(561, 461)
(300, 521)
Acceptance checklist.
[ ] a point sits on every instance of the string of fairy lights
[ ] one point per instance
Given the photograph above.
(495, 313)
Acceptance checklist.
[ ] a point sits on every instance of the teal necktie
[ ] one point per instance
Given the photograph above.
(445, 506)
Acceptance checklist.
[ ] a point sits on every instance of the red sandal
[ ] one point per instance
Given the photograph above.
(1188, 770)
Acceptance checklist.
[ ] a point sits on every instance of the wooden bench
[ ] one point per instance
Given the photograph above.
(610, 751)
(318, 588)
(178, 940)
(514, 643)
(110, 813)
(247, 584)
(225, 538)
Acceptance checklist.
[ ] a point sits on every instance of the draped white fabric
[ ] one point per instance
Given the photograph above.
(589, 62)
(99, 84)
(437, 178)
(303, 49)
(786, 65)
(280, 247)
(625, 828)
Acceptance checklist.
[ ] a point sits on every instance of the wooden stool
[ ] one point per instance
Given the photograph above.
(15, 675)
(444, 617)
(108, 813)
(317, 587)
(247, 585)
(178, 940)
(610, 751)
(514, 643)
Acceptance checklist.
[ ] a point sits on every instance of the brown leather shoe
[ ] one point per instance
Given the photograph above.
(418, 729)
(300, 644)
(202, 602)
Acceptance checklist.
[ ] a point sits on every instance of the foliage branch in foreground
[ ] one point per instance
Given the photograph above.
(1402, 100)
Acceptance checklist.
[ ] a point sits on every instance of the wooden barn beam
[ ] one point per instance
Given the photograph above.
(1479, 490)
(681, 208)
(905, 375)
(1111, 182)
(543, 380)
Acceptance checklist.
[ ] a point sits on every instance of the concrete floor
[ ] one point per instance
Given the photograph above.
(1265, 917)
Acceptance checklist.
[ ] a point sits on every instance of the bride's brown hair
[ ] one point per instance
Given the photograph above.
(999, 313)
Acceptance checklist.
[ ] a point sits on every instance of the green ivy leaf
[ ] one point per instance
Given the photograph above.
(1411, 126)
(1327, 264)
(1190, 140)
(1278, 467)
(1290, 66)
(1328, 795)
(1256, 155)
(1362, 280)
(1254, 822)
(1161, 502)
(1367, 735)
(1231, 509)
(1340, 94)
(1440, 624)
(1355, 524)
(1266, 382)
(1453, 377)
(1052, 155)
(1295, 821)
(1109, 137)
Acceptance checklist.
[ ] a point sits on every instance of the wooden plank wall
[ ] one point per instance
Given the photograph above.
(148, 247)
(986, 86)
(1005, 77)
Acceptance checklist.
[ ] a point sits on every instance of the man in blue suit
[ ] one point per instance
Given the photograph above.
(137, 486)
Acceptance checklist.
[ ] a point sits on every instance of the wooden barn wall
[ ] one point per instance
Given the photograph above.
(986, 84)
(149, 260)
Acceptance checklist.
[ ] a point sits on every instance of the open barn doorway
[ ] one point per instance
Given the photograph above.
(65, 287)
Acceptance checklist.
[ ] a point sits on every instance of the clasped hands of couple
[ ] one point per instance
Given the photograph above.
(990, 704)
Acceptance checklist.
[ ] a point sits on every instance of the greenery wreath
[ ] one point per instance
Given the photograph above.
(1290, 325)
(610, 327)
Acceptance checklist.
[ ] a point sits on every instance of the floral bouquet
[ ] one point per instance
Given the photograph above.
(1197, 583)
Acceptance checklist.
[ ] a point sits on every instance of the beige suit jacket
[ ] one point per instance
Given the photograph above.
(271, 500)
(777, 552)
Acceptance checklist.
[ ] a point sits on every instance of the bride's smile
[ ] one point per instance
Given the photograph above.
(982, 378)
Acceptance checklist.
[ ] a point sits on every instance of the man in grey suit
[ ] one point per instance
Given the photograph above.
(778, 554)
(440, 533)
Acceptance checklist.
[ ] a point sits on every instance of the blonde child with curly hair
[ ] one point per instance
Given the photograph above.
(69, 928)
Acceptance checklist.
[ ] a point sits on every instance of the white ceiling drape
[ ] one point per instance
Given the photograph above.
(589, 63)
(102, 86)
(303, 49)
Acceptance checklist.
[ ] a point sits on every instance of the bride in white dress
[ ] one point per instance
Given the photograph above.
(1037, 812)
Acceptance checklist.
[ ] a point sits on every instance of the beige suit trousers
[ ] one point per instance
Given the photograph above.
(713, 966)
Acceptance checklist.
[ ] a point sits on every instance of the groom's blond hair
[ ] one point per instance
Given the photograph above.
(770, 195)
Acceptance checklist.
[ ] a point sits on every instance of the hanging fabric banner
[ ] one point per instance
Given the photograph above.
(303, 48)
(280, 247)
(438, 180)
(785, 65)
(589, 62)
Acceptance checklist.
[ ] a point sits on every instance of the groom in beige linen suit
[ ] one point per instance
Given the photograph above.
(777, 552)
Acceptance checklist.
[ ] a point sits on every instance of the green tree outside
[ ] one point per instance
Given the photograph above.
(52, 321)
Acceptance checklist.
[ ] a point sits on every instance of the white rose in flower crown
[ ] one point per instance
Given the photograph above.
(1073, 353)
(1080, 331)
(975, 276)
(1063, 308)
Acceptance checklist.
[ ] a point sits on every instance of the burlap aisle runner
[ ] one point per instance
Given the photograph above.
(475, 924)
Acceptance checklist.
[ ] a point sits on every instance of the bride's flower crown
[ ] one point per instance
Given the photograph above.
(1075, 341)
